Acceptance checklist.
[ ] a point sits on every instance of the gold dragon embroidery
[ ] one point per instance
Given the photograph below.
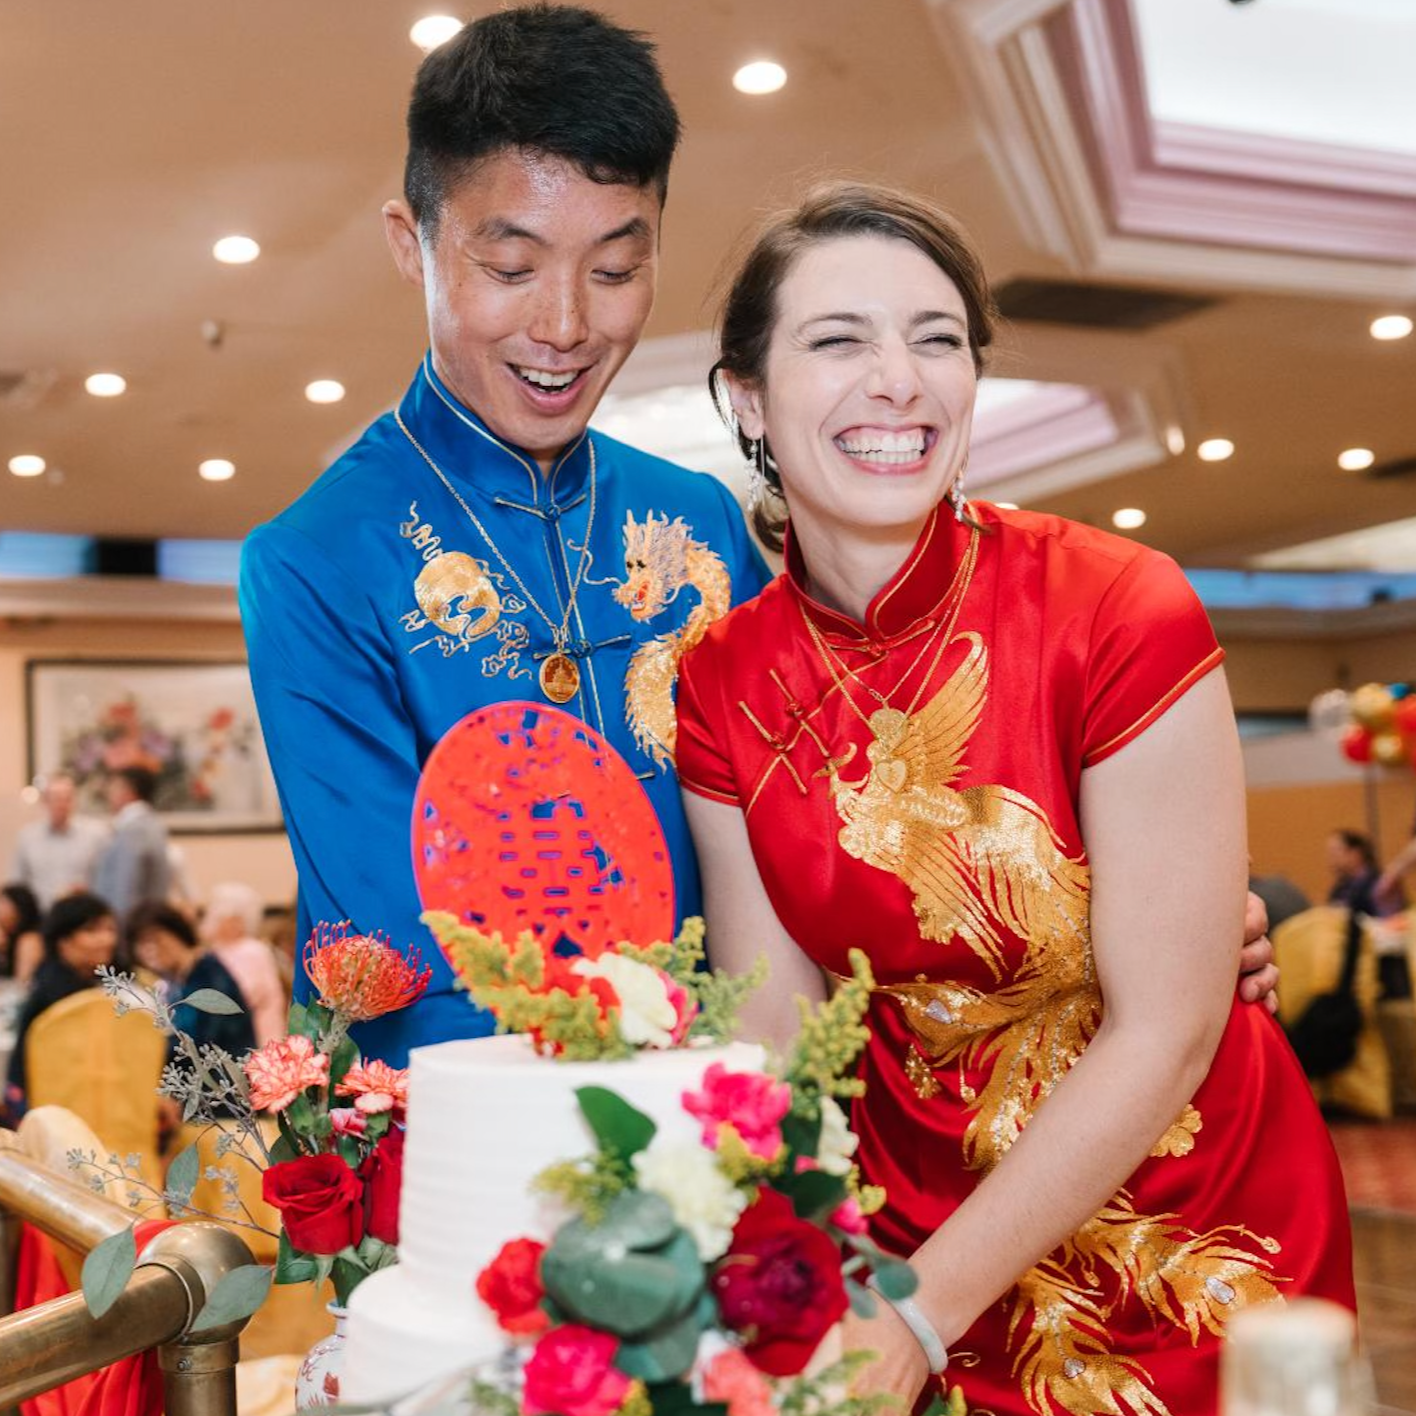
(978, 862)
(660, 559)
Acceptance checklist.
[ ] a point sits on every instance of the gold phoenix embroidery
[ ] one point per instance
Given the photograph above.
(978, 862)
(660, 559)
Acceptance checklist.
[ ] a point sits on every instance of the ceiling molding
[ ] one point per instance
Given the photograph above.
(111, 597)
(1277, 623)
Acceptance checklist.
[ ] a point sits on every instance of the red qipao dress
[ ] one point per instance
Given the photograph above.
(911, 787)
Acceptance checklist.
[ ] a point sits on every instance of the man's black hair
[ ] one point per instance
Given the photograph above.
(141, 780)
(552, 79)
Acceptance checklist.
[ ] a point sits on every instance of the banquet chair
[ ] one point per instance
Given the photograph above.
(1308, 949)
(209, 1197)
(79, 1054)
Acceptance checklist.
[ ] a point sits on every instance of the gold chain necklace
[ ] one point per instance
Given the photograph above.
(560, 674)
(888, 723)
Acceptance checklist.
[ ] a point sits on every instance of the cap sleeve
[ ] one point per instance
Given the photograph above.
(1151, 640)
(703, 766)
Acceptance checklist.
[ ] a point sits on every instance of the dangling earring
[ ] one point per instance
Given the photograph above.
(956, 495)
(757, 475)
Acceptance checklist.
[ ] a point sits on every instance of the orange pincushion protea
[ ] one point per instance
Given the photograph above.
(362, 976)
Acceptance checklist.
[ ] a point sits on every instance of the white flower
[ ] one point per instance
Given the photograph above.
(838, 1142)
(646, 1013)
(704, 1201)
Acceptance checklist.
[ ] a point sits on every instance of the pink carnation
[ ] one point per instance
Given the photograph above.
(375, 1087)
(848, 1218)
(572, 1373)
(685, 1008)
(282, 1069)
(347, 1121)
(752, 1103)
(732, 1378)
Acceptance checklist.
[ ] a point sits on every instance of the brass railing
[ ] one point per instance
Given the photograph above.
(54, 1342)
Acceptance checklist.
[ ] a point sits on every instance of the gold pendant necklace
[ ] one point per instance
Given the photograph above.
(888, 725)
(559, 674)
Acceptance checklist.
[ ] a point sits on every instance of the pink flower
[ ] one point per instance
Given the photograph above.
(847, 1217)
(282, 1069)
(732, 1378)
(685, 1008)
(375, 1087)
(572, 1373)
(348, 1121)
(752, 1103)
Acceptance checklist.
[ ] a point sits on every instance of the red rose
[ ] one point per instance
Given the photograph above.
(779, 1285)
(511, 1287)
(321, 1202)
(382, 1174)
(571, 1373)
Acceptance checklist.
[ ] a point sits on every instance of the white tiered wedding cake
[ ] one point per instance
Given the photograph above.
(485, 1116)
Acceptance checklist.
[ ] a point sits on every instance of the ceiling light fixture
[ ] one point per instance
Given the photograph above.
(1175, 440)
(433, 30)
(217, 469)
(1128, 518)
(1391, 327)
(106, 385)
(761, 76)
(1356, 459)
(1214, 450)
(324, 391)
(27, 465)
(236, 250)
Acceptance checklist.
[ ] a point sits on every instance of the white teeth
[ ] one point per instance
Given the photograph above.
(889, 449)
(544, 378)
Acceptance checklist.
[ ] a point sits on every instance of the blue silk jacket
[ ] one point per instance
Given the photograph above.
(377, 615)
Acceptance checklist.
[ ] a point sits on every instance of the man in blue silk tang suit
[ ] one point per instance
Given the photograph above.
(479, 544)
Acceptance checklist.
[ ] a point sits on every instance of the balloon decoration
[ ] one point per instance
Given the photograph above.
(1374, 723)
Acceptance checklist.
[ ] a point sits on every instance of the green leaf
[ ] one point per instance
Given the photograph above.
(183, 1174)
(107, 1269)
(300, 1115)
(237, 1295)
(297, 1023)
(617, 1126)
(284, 1148)
(346, 1275)
(208, 1000)
(668, 1354)
(814, 1193)
(291, 1266)
(341, 1060)
(863, 1302)
(802, 1134)
(676, 1399)
(895, 1279)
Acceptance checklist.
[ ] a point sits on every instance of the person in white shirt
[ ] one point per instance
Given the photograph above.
(229, 928)
(56, 855)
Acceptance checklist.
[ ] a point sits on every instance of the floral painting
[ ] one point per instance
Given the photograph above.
(192, 724)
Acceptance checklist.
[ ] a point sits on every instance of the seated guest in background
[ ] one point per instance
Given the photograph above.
(21, 943)
(1357, 882)
(133, 865)
(1389, 882)
(80, 935)
(229, 928)
(56, 855)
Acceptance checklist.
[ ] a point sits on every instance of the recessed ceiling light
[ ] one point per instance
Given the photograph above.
(106, 385)
(236, 250)
(217, 469)
(1356, 459)
(27, 465)
(1175, 440)
(1214, 450)
(324, 391)
(761, 76)
(1391, 327)
(1128, 518)
(1006, 506)
(433, 30)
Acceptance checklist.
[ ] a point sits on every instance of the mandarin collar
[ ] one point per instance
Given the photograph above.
(474, 458)
(910, 600)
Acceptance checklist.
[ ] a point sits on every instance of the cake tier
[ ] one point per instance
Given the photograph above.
(485, 1116)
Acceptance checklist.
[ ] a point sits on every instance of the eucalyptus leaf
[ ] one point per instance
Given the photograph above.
(208, 1000)
(895, 1279)
(617, 1126)
(107, 1269)
(863, 1302)
(237, 1295)
(668, 1354)
(183, 1174)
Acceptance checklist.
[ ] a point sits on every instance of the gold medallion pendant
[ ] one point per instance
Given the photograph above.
(560, 678)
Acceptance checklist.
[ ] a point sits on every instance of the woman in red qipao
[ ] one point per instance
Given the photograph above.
(995, 750)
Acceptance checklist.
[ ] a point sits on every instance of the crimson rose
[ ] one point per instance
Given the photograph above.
(511, 1287)
(382, 1174)
(571, 1373)
(321, 1202)
(779, 1285)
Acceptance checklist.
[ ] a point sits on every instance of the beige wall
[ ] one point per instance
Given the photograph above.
(263, 860)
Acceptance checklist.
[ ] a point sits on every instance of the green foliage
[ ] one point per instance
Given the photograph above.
(820, 1395)
(616, 1125)
(208, 1000)
(183, 1174)
(829, 1041)
(586, 1186)
(237, 1295)
(292, 1267)
(107, 1269)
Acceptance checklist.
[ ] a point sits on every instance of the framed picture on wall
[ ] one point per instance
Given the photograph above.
(191, 722)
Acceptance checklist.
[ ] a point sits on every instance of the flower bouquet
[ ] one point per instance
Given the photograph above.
(332, 1170)
(703, 1269)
